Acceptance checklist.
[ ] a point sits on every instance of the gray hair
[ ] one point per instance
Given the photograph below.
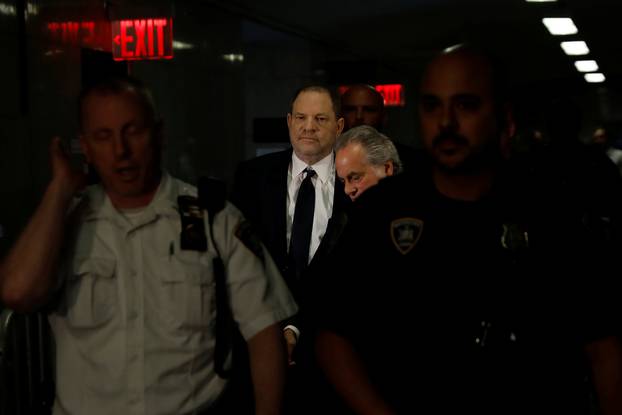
(117, 85)
(379, 147)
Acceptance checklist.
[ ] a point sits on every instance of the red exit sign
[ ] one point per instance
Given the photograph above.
(138, 39)
(393, 94)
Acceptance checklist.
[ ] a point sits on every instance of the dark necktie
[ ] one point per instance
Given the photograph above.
(303, 223)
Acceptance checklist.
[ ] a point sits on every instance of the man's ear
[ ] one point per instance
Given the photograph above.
(340, 124)
(289, 120)
(389, 168)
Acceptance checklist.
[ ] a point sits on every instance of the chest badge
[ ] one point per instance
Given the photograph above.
(515, 238)
(192, 236)
(405, 233)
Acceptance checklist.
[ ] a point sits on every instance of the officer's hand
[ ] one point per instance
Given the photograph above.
(65, 178)
(291, 340)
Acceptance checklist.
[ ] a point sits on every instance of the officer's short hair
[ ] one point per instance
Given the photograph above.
(118, 85)
(379, 147)
(369, 88)
(334, 97)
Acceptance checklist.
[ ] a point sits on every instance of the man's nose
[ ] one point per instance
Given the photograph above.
(350, 190)
(121, 146)
(359, 113)
(448, 119)
(309, 124)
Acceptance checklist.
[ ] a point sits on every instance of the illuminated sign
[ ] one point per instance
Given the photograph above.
(137, 39)
(393, 94)
(72, 32)
(88, 34)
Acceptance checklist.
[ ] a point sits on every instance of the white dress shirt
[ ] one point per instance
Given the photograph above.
(324, 183)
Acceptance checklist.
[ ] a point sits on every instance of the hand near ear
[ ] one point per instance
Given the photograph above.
(66, 178)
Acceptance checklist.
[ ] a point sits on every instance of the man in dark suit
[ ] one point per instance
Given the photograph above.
(297, 205)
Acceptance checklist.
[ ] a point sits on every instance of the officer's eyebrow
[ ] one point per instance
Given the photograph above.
(429, 97)
(468, 95)
(99, 130)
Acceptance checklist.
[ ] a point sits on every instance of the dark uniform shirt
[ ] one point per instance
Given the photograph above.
(481, 307)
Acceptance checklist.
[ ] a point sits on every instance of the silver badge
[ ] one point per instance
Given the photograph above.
(405, 233)
(514, 237)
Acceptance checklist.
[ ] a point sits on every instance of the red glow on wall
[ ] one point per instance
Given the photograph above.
(138, 39)
(393, 94)
(90, 34)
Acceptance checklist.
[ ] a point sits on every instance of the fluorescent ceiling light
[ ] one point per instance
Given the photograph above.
(233, 57)
(594, 78)
(560, 26)
(586, 66)
(10, 10)
(7, 9)
(575, 48)
(178, 45)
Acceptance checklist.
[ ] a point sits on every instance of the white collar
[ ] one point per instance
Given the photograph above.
(164, 201)
(324, 168)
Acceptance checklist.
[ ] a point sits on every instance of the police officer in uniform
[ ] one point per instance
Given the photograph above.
(463, 289)
(129, 275)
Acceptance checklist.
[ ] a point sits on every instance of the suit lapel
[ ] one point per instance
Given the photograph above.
(276, 206)
(336, 223)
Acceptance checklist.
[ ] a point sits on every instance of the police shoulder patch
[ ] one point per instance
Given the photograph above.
(405, 233)
(245, 233)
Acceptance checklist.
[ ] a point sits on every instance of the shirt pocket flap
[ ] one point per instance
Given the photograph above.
(99, 267)
(179, 271)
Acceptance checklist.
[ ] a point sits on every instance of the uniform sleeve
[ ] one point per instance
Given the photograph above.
(70, 249)
(258, 294)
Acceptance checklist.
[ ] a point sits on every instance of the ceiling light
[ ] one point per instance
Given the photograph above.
(586, 66)
(595, 78)
(233, 57)
(560, 26)
(178, 45)
(575, 48)
(7, 9)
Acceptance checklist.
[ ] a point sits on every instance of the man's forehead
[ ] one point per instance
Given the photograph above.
(353, 153)
(458, 73)
(457, 87)
(112, 100)
(313, 101)
(99, 110)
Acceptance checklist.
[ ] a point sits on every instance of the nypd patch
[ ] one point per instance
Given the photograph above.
(405, 233)
(245, 233)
